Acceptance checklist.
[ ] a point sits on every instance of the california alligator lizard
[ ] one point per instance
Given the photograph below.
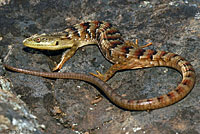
(124, 55)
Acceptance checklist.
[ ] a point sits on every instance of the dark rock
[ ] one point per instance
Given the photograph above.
(64, 106)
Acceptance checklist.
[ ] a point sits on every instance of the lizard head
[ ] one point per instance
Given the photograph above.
(54, 41)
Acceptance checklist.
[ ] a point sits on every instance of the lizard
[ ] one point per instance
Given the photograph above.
(124, 55)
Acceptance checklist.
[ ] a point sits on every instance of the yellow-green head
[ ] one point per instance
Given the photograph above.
(54, 41)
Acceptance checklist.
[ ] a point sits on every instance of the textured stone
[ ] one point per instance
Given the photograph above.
(64, 106)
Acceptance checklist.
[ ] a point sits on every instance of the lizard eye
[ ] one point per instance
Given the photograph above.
(38, 40)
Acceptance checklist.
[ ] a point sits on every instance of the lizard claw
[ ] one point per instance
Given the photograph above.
(56, 68)
(136, 45)
(98, 75)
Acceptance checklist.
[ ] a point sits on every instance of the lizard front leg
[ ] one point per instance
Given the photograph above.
(66, 56)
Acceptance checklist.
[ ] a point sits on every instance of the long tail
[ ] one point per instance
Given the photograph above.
(146, 104)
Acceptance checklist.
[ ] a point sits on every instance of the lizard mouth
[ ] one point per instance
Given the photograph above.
(51, 45)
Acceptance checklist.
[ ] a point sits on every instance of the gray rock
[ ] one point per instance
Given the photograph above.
(64, 106)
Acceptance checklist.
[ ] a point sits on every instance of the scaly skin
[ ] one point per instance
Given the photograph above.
(124, 55)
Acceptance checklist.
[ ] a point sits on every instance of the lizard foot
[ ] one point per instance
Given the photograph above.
(99, 75)
(57, 68)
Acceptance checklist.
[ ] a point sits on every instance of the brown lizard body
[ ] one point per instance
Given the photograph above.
(124, 55)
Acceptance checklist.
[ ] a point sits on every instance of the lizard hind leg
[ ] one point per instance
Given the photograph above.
(128, 64)
(149, 44)
(136, 45)
(110, 72)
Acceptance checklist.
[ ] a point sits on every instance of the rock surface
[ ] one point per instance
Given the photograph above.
(64, 106)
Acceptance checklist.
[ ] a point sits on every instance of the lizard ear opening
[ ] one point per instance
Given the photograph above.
(57, 43)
